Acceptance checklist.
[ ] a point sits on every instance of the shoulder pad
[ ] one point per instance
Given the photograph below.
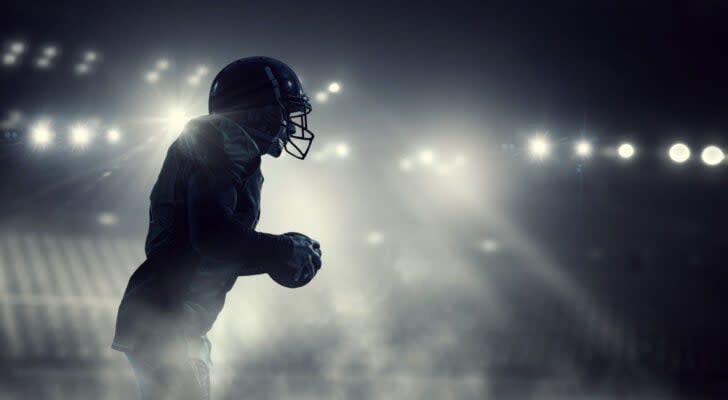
(215, 141)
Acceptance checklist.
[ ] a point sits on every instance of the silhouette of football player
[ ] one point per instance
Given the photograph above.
(204, 210)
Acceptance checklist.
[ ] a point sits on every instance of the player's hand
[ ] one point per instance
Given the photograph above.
(305, 257)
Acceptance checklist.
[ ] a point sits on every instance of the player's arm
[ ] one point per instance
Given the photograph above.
(214, 233)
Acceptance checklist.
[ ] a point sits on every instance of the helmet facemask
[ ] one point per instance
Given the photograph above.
(300, 137)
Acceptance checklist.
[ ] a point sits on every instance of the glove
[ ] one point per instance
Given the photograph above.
(305, 256)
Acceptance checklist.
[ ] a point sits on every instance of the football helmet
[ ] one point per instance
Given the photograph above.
(255, 82)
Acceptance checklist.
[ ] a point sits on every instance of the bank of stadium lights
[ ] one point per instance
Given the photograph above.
(539, 147)
(335, 150)
(41, 134)
(155, 74)
(196, 77)
(12, 55)
(89, 59)
(322, 96)
(45, 59)
(712, 155)
(625, 151)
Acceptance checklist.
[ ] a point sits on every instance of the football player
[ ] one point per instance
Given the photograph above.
(204, 210)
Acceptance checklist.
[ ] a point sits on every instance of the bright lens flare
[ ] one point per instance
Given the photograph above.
(176, 120)
(583, 149)
(539, 147)
(41, 134)
(679, 153)
(625, 151)
(712, 155)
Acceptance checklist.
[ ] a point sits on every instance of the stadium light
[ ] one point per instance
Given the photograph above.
(539, 147)
(162, 64)
(80, 136)
(9, 59)
(17, 47)
(90, 56)
(489, 246)
(43, 63)
(426, 157)
(41, 134)
(50, 51)
(342, 150)
(193, 80)
(321, 97)
(202, 70)
(82, 69)
(107, 219)
(152, 76)
(712, 155)
(113, 135)
(679, 153)
(583, 149)
(405, 164)
(625, 151)
(334, 87)
(374, 238)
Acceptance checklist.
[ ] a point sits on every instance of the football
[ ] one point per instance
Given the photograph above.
(284, 275)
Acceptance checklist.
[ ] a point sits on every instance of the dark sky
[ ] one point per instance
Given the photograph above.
(629, 67)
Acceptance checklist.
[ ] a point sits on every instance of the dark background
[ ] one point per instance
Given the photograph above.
(608, 276)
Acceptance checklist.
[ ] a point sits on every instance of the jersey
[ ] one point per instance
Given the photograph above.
(176, 289)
